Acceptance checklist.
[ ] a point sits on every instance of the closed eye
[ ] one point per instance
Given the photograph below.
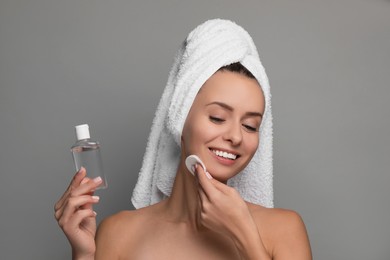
(216, 119)
(250, 128)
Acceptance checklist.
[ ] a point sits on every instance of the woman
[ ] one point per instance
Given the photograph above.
(217, 106)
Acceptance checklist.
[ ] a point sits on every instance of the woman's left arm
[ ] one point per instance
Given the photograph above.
(224, 211)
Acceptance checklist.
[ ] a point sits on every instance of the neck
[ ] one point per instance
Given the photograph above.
(184, 204)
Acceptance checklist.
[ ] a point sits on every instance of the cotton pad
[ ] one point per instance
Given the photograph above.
(191, 161)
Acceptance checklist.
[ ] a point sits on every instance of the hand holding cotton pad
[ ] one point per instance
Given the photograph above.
(191, 161)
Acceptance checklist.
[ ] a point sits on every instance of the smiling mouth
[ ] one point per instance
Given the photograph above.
(224, 154)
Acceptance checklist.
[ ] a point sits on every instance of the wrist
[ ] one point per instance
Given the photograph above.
(249, 244)
(84, 258)
(76, 256)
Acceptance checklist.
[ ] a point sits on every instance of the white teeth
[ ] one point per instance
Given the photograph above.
(225, 154)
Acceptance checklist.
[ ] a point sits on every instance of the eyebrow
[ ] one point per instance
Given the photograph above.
(227, 107)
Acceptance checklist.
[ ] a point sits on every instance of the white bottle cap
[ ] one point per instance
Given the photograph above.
(82, 132)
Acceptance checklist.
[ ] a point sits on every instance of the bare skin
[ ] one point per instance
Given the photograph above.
(75, 215)
(158, 232)
(203, 218)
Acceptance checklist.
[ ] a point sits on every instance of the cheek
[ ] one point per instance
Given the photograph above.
(203, 130)
(251, 144)
(193, 133)
(199, 131)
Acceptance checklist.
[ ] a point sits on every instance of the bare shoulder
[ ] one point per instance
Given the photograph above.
(114, 232)
(284, 232)
(122, 231)
(283, 220)
(118, 223)
(123, 218)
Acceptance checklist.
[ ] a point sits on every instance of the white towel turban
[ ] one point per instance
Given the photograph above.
(210, 46)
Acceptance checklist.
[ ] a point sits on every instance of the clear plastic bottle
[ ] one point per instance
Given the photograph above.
(86, 153)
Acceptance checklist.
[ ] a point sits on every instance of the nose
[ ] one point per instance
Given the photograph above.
(233, 134)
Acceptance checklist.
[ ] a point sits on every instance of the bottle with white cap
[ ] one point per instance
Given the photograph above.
(86, 153)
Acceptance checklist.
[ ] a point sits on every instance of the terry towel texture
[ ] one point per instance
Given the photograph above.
(207, 48)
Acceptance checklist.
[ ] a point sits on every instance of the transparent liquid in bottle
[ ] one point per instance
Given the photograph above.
(86, 153)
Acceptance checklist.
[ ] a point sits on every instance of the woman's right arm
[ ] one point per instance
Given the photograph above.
(75, 215)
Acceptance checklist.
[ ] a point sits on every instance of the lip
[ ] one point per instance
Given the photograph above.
(224, 161)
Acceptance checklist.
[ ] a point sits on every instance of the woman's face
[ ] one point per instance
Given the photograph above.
(222, 127)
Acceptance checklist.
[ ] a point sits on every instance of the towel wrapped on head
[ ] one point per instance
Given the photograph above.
(210, 46)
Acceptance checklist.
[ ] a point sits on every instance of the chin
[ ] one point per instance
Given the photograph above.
(221, 174)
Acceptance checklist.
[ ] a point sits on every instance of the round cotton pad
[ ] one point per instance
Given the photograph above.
(191, 161)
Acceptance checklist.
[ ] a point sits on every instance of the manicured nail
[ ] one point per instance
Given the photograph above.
(97, 179)
(96, 198)
(208, 175)
(83, 181)
(78, 172)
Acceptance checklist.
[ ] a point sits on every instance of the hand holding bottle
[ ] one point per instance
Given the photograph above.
(74, 214)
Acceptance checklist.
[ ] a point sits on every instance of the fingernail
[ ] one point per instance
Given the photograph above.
(84, 181)
(96, 198)
(97, 179)
(208, 175)
(95, 213)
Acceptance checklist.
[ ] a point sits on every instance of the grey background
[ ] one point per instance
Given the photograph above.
(105, 63)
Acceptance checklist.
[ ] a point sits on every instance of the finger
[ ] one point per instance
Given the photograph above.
(88, 205)
(217, 184)
(87, 188)
(75, 204)
(76, 180)
(79, 216)
(202, 202)
(85, 180)
(204, 182)
(202, 196)
(220, 185)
